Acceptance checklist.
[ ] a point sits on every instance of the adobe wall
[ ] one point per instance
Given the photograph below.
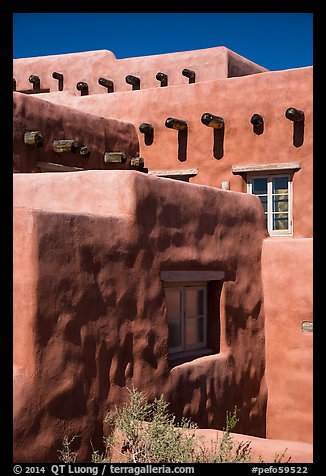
(24, 308)
(208, 63)
(56, 122)
(94, 313)
(288, 301)
(121, 230)
(235, 100)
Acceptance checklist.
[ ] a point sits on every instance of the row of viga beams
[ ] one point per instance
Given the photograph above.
(82, 86)
(216, 122)
(35, 138)
(209, 120)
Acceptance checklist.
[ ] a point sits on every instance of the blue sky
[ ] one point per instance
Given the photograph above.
(273, 40)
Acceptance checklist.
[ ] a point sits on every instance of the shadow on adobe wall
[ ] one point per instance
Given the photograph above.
(298, 133)
(218, 148)
(182, 145)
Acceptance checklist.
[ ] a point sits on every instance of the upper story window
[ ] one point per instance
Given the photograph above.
(275, 193)
(272, 183)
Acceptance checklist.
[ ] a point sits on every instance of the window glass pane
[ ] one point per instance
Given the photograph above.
(280, 185)
(194, 331)
(280, 203)
(174, 333)
(280, 221)
(173, 298)
(259, 185)
(194, 302)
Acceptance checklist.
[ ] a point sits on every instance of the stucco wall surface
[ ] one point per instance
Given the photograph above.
(94, 311)
(287, 271)
(58, 122)
(235, 100)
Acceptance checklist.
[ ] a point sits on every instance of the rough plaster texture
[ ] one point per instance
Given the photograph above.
(288, 301)
(92, 316)
(208, 63)
(235, 100)
(55, 122)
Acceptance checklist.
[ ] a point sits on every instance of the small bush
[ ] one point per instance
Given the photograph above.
(66, 455)
(227, 450)
(143, 432)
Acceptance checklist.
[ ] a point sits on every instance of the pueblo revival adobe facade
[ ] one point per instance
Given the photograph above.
(177, 257)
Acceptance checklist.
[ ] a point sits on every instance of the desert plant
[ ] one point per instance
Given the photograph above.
(280, 456)
(226, 449)
(143, 432)
(66, 455)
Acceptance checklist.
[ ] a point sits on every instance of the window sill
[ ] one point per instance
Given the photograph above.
(189, 355)
(275, 237)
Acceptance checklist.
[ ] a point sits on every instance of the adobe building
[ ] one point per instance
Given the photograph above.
(177, 257)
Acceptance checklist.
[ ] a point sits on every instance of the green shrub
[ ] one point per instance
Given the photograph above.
(143, 432)
(66, 455)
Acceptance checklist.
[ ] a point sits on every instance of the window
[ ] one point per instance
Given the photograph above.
(193, 313)
(275, 193)
(187, 317)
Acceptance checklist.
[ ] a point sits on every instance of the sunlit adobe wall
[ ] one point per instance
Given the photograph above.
(64, 72)
(287, 274)
(216, 154)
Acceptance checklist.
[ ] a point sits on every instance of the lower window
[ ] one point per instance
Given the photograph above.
(187, 317)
